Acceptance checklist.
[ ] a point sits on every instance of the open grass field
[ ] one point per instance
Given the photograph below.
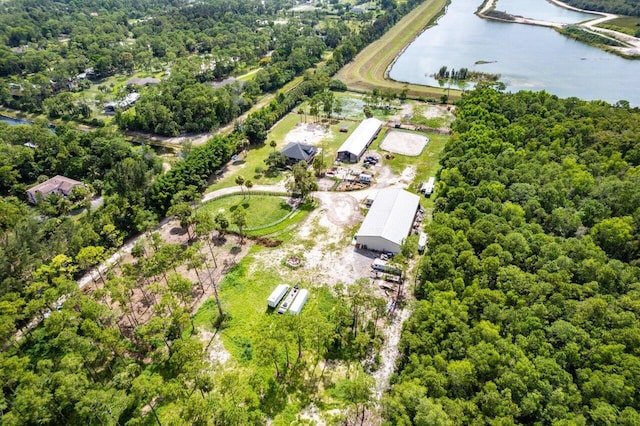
(261, 209)
(427, 163)
(249, 166)
(625, 24)
(367, 70)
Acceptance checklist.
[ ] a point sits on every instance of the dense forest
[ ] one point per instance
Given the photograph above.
(529, 295)
(620, 7)
(58, 58)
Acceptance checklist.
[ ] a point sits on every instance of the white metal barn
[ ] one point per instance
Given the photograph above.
(358, 141)
(389, 220)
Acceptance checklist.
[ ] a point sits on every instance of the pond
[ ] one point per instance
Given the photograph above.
(527, 57)
(13, 121)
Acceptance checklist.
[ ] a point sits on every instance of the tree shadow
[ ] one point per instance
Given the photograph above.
(177, 230)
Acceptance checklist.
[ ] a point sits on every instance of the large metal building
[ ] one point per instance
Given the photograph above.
(389, 220)
(357, 143)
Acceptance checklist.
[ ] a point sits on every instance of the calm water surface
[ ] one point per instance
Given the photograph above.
(13, 121)
(527, 57)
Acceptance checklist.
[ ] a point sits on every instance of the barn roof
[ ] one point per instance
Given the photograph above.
(361, 136)
(391, 215)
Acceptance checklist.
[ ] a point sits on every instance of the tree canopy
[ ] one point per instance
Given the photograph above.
(530, 287)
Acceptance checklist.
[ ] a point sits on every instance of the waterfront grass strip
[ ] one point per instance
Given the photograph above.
(367, 70)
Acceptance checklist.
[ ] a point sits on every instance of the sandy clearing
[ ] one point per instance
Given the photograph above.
(216, 352)
(405, 143)
(435, 111)
(308, 133)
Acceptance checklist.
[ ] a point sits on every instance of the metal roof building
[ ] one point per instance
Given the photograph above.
(358, 142)
(389, 220)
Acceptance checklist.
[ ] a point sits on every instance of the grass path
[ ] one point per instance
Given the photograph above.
(367, 70)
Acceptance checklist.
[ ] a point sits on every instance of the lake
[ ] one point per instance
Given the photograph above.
(527, 57)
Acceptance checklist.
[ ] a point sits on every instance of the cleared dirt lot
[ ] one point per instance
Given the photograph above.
(405, 143)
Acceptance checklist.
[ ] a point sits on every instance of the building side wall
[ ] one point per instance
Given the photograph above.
(377, 244)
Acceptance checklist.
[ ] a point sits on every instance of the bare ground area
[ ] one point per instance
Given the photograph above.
(308, 133)
(405, 143)
(324, 243)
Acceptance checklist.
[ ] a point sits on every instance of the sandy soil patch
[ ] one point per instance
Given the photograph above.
(435, 111)
(406, 110)
(405, 143)
(307, 133)
(216, 352)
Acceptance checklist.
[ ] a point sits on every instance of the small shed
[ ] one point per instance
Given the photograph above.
(370, 199)
(299, 302)
(277, 295)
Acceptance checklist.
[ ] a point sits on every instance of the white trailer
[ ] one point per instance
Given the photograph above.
(284, 307)
(277, 295)
(428, 186)
(299, 302)
(422, 242)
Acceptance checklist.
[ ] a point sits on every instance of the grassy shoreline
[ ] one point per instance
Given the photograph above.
(369, 68)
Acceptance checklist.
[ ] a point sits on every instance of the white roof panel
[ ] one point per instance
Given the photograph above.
(391, 215)
(358, 140)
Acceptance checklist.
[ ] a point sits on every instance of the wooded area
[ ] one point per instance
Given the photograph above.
(529, 293)
(620, 7)
(123, 350)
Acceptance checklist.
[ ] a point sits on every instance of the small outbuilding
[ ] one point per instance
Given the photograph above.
(277, 295)
(122, 104)
(299, 302)
(370, 199)
(389, 220)
(357, 143)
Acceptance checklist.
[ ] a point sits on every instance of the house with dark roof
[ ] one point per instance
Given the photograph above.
(296, 152)
(59, 185)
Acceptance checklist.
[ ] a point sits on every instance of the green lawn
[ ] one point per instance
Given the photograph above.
(626, 24)
(427, 163)
(261, 209)
(255, 157)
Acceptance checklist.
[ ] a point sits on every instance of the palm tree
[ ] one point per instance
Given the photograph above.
(240, 183)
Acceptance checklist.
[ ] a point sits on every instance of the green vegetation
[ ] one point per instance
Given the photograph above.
(426, 165)
(497, 14)
(367, 71)
(588, 37)
(261, 210)
(528, 292)
(626, 24)
(620, 7)
(463, 74)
